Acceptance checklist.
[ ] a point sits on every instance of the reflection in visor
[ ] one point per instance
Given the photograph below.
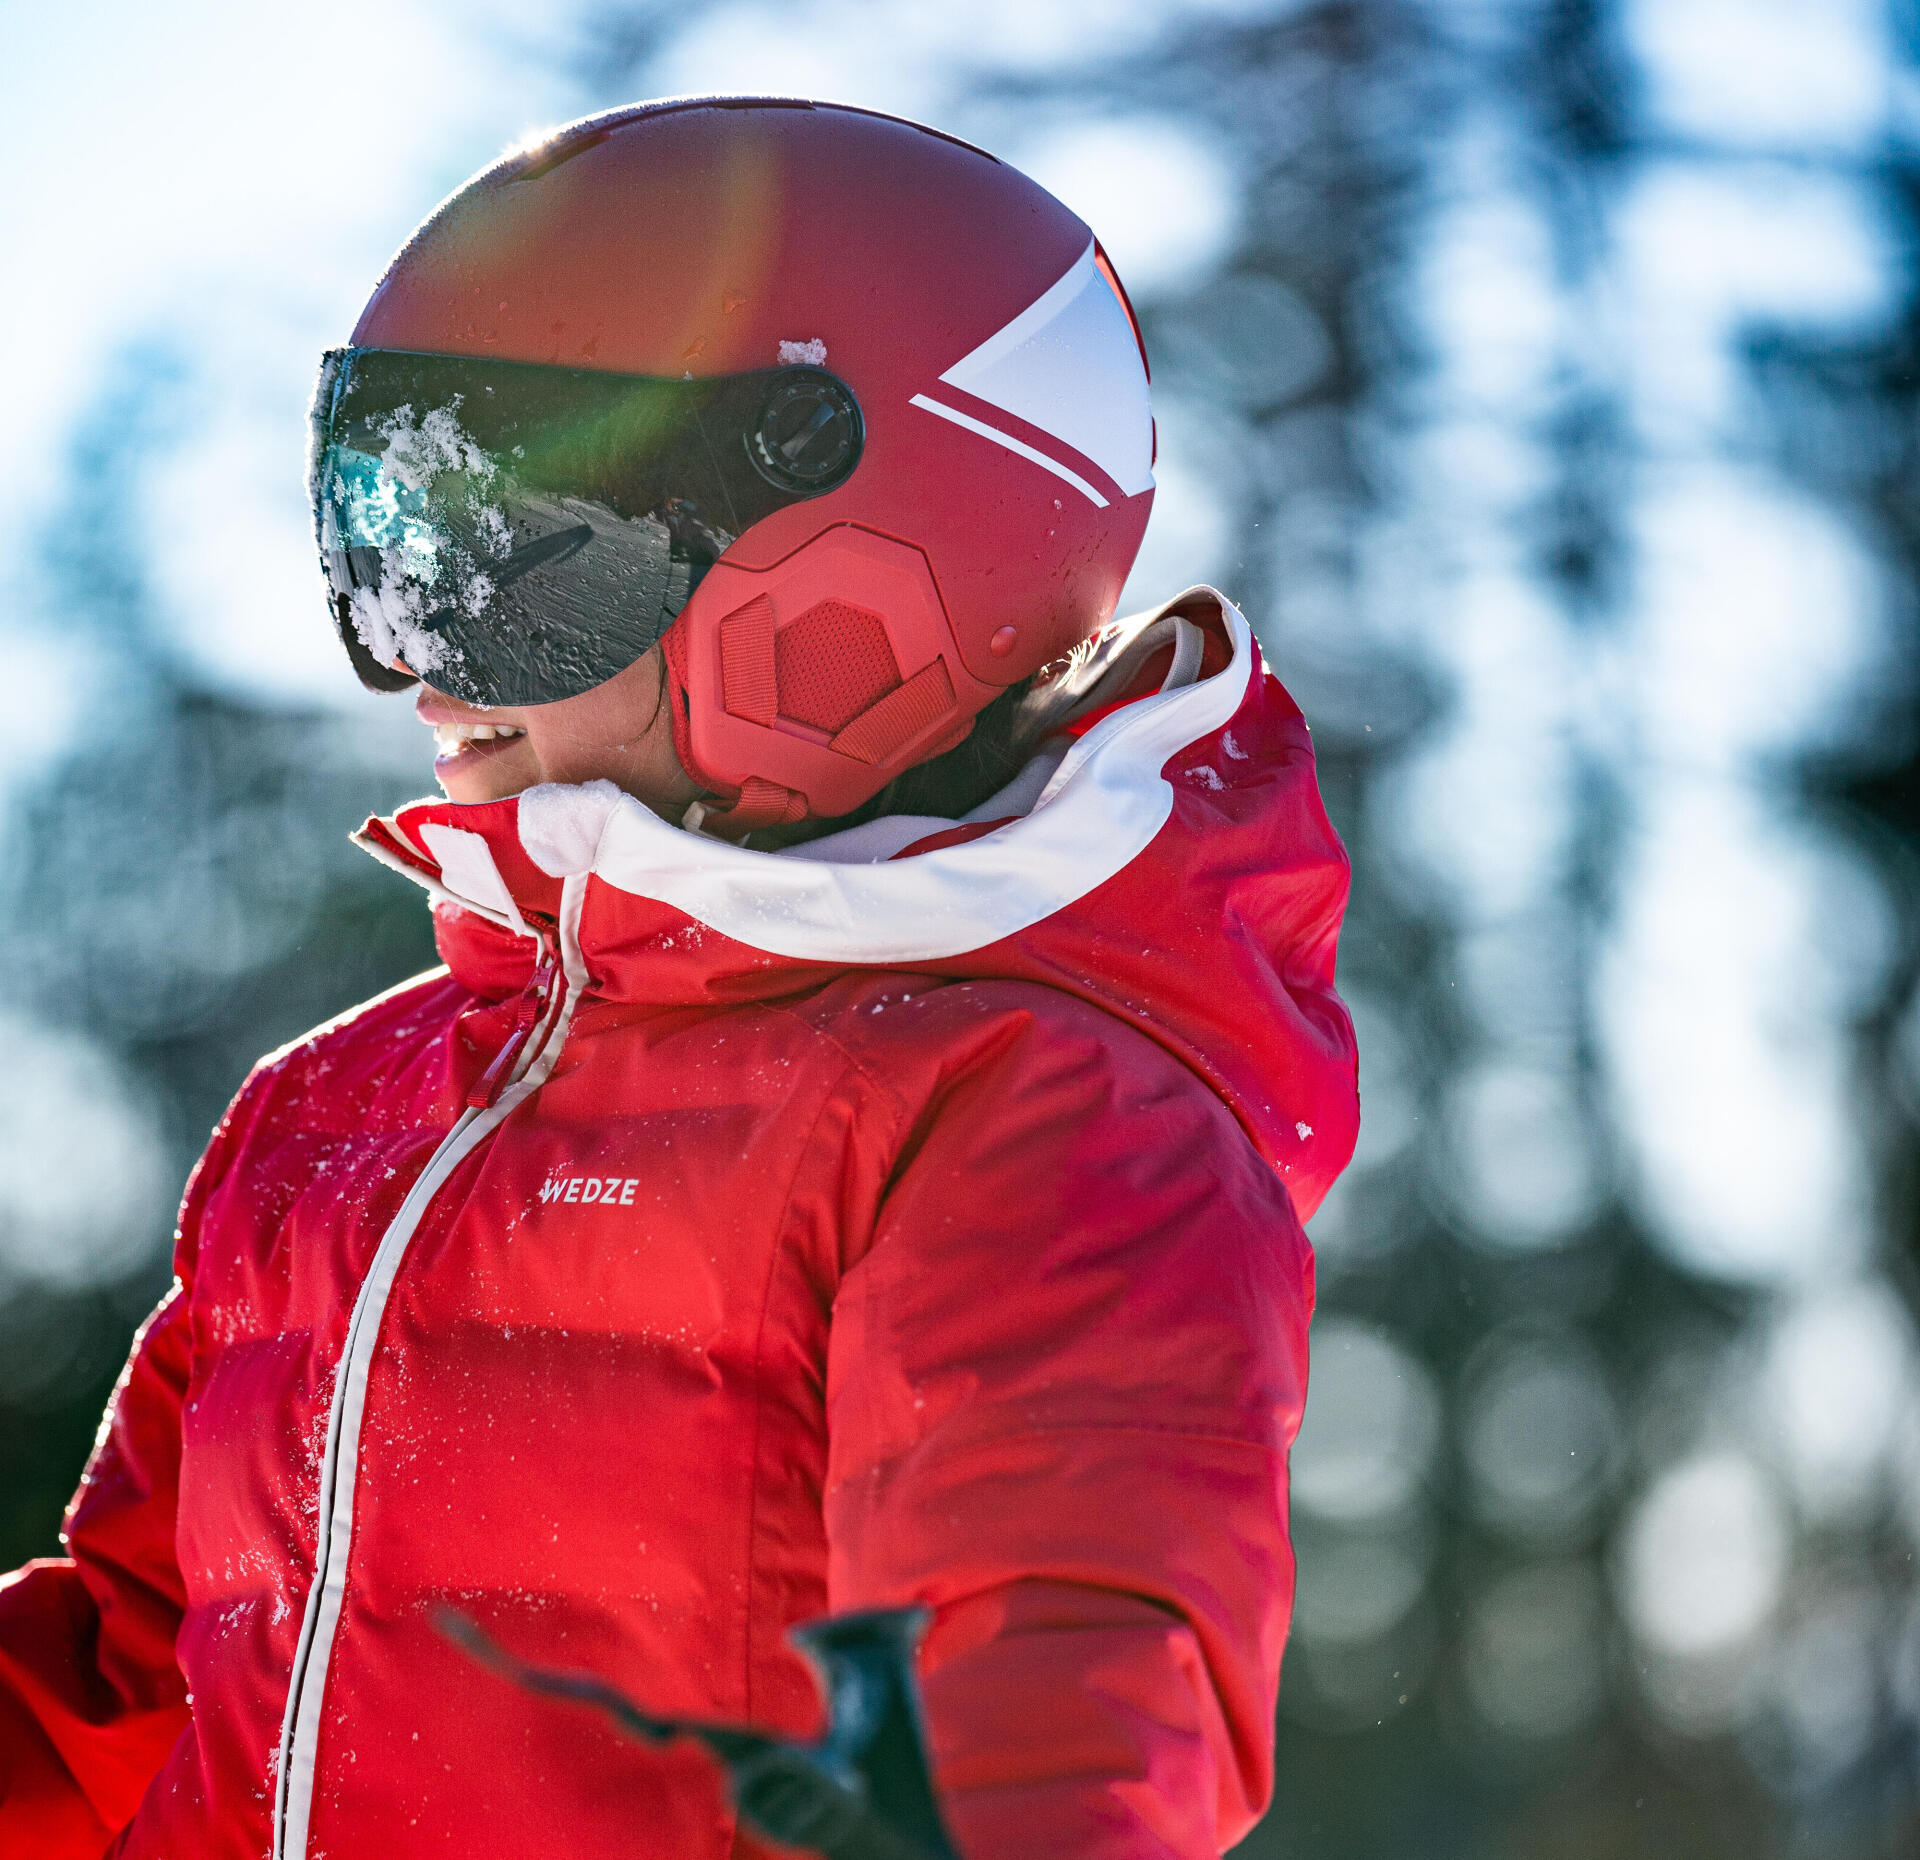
(518, 534)
(370, 509)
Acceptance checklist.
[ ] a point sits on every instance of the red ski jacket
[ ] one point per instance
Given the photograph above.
(722, 1239)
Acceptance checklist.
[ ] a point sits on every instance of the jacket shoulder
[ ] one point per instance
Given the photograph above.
(337, 1073)
(921, 1038)
(417, 1008)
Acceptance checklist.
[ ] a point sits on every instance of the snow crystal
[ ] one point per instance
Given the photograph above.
(813, 351)
(491, 521)
(1208, 777)
(418, 451)
(386, 501)
(1234, 752)
(388, 620)
(1303, 1131)
(561, 825)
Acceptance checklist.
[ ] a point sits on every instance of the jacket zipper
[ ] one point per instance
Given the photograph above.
(525, 1059)
(529, 1011)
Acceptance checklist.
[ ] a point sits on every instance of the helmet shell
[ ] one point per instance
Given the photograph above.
(714, 236)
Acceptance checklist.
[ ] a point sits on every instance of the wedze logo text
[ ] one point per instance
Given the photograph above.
(613, 1188)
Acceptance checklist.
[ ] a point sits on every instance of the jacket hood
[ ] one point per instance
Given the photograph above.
(1173, 865)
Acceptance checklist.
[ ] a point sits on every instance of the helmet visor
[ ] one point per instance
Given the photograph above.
(514, 533)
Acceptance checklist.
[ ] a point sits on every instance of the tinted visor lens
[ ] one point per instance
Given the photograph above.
(516, 534)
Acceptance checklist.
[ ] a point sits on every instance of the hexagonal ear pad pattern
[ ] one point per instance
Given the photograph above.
(821, 678)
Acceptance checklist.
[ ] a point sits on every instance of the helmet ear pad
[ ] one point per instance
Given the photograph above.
(804, 687)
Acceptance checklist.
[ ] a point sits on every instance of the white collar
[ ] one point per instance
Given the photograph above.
(853, 903)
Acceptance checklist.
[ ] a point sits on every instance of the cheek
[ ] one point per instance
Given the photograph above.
(620, 730)
(630, 744)
(609, 719)
(594, 739)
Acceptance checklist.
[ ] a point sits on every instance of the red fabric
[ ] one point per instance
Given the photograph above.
(979, 1285)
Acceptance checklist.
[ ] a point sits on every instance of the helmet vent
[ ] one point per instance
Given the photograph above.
(831, 663)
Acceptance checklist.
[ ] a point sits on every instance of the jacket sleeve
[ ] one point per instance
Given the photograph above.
(91, 1699)
(1062, 1384)
(91, 1695)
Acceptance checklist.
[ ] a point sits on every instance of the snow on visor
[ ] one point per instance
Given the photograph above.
(514, 533)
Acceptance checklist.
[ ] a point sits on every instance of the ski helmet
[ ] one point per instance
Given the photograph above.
(851, 413)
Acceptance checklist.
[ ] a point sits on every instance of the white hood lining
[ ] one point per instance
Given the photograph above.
(1094, 815)
(468, 872)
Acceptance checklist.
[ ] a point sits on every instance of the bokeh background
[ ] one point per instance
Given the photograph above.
(1541, 377)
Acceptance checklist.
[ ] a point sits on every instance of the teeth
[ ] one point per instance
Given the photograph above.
(449, 739)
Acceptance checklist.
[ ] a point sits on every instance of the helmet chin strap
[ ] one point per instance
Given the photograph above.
(761, 804)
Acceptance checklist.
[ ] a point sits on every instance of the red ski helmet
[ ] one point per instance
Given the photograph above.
(874, 397)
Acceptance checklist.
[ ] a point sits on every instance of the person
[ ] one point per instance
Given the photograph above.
(856, 1149)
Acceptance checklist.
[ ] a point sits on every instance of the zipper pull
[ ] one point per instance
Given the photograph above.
(527, 1015)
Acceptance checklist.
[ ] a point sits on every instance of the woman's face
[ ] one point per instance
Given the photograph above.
(620, 730)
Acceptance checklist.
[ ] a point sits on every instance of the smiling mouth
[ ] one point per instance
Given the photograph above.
(472, 739)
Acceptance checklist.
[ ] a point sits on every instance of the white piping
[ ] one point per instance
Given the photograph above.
(306, 1688)
(1102, 806)
(1012, 445)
